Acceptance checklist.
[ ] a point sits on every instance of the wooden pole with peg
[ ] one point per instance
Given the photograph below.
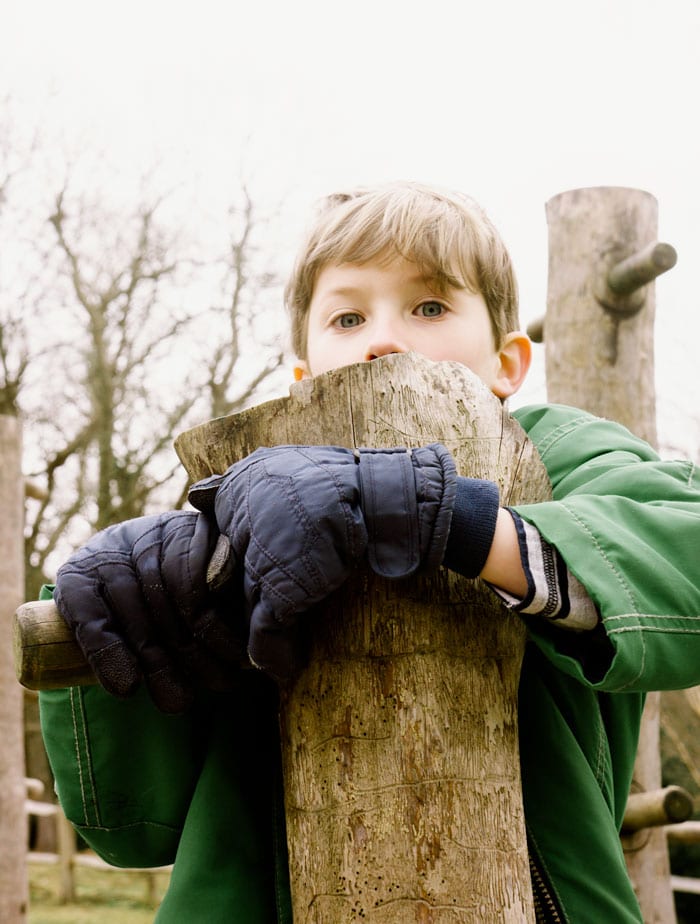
(599, 343)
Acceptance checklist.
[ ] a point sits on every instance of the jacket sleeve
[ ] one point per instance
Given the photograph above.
(627, 524)
(124, 773)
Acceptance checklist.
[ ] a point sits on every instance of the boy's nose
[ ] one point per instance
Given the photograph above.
(384, 347)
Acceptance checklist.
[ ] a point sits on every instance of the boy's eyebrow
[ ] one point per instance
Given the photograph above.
(343, 290)
(414, 279)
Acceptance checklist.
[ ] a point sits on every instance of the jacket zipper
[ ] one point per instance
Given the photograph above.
(546, 908)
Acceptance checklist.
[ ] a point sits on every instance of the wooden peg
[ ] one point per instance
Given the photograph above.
(621, 287)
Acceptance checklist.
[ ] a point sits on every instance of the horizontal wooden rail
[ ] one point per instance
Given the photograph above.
(656, 808)
(688, 832)
(685, 884)
(47, 656)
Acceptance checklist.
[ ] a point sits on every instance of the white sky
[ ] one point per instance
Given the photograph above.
(512, 102)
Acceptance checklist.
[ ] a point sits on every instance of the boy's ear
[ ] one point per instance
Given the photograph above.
(301, 371)
(514, 356)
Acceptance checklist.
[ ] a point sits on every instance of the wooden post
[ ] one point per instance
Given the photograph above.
(13, 823)
(596, 357)
(66, 850)
(599, 351)
(400, 740)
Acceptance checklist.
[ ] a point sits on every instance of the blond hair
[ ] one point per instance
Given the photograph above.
(446, 234)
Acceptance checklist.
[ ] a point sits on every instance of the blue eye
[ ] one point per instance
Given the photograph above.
(431, 309)
(351, 319)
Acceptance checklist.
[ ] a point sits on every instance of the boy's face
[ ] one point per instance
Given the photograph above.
(359, 312)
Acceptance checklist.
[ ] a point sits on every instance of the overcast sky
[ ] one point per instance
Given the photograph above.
(512, 102)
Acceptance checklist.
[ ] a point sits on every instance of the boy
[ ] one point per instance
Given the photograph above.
(605, 575)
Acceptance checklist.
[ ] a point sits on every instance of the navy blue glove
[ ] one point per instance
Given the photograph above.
(137, 601)
(299, 519)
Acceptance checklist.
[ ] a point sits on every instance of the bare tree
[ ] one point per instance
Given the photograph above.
(245, 288)
(115, 334)
(137, 361)
(12, 368)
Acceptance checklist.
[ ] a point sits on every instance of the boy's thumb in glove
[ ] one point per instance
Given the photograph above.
(202, 496)
(273, 647)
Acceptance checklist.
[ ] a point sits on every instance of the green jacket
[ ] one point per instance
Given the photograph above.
(203, 790)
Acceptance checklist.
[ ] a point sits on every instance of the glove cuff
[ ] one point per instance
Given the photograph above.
(436, 488)
(473, 526)
(407, 499)
(390, 509)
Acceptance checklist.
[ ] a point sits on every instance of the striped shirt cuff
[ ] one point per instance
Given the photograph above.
(553, 591)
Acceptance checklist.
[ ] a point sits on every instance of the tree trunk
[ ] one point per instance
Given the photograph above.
(13, 824)
(602, 360)
(400, 738)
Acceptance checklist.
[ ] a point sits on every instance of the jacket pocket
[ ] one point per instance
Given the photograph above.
(124, 773)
